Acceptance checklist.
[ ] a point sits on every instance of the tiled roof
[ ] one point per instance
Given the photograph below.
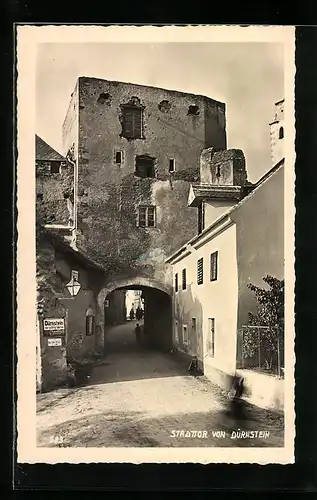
(45, 152)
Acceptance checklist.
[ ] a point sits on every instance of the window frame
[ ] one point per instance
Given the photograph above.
(55, 162)
(194, 327)
(146, 208)
(133, 108)
(121, 157)
(176, 284)
(281, 132)
(185, 328)
(90, 325)
(211, 337)
(173, 163)
(184, 279)
(148, 158)
(200, 281)
(213, 274)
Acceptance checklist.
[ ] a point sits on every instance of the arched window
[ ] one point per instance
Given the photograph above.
(90, 321)
(281, 133)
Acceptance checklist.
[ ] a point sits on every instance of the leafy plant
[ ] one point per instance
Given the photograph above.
(270, 314)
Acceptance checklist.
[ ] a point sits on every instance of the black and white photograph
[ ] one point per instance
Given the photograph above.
(155, 251)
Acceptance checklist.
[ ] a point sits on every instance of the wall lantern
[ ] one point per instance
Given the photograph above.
(73, 286)
(90, 321)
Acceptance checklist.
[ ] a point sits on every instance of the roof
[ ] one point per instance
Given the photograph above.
(60, 245)
(270, 172)
(45, 152)
(226, 215)
(200, 192)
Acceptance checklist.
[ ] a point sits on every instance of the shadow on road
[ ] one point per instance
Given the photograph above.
(138, 429)
(126, 360)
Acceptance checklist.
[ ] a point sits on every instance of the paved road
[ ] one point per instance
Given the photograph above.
(139, 397)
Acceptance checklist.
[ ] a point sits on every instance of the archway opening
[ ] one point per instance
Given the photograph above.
(129, 305)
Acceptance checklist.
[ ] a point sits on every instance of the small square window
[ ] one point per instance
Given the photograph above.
(55, 167)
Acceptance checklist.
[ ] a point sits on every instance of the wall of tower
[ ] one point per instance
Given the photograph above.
(177, 127)
(277, 134)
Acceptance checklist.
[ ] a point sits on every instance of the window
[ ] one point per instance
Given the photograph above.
(201, 218)
(104, 97)
(144, 166)
(184, 279)
(176, 282)
(176, 332)
(90, 321)
(118, 157)
(146, 217)
(185, 335)
(132, 122)
(171, 166)
(211, 337)
(281, 133)
(90, 325)
(200, 271)
(164, 106)
(193, 328)
(55, 167)
(214, 266)
(193, 110)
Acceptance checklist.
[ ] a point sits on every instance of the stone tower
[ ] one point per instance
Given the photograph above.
(223, 183)
(137, 149)
(277, 133)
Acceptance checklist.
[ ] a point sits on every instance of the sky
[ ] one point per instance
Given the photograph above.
(247, 77)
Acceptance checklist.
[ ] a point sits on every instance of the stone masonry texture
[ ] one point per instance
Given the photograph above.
(175, 126)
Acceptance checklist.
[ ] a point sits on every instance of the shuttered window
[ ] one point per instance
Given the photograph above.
(132, 122)
(176, 282)
(214, 266)
(184, 279)
(200, 271)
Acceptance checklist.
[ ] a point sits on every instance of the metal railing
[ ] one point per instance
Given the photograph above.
(263, 349)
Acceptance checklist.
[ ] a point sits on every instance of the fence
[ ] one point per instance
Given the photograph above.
(263, 349)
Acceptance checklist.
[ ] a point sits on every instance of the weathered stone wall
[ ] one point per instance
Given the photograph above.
(109, 193)
(55, 193)
(49, 288)
(53, 273)
(115, 312)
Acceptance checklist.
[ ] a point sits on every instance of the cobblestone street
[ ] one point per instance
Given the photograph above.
(138, 397)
